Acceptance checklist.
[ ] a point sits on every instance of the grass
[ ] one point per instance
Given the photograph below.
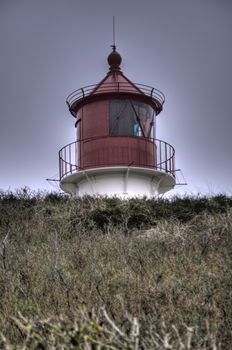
(101, 273)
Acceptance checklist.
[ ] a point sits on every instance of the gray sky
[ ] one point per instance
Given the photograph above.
(51, 47)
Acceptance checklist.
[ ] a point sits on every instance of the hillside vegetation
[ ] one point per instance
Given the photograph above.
(100, 273)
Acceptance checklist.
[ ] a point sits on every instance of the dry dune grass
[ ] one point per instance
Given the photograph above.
(101, 273)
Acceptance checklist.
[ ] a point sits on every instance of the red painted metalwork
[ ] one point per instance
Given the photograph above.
(114, 59)
(97, 145)
(110, 151)
(95, 120)
(119, 90)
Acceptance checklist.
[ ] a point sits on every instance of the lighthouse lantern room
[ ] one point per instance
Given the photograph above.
(116, 152)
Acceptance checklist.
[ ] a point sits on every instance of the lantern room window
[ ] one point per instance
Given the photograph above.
(130, 118)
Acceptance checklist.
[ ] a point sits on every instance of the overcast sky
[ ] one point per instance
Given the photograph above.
(51, 47)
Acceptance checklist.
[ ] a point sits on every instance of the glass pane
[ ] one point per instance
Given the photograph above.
(126, 118)
(121, 118)
(145, 114)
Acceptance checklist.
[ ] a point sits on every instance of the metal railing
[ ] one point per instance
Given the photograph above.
(105, 151)
(118, 87)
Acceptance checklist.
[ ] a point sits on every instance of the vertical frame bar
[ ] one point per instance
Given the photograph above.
(166, 163)
(65, 158)
(59, 166)
(70, 162)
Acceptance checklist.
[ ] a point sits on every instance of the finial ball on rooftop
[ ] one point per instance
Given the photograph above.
(114, 59)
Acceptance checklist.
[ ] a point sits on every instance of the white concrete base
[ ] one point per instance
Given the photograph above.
(123, 182)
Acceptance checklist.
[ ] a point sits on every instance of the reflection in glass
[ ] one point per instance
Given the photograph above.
(130, 118)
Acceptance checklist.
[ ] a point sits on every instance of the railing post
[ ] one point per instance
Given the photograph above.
(59, 167)
(76, 153)
(173, 165)
(154, 154)
(170, 160)
(61, 163)
(70, 166)
(65, 158)
(166, 162)
(80, 154)
(129, 149)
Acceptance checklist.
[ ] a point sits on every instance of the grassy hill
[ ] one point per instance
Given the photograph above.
(100, 273)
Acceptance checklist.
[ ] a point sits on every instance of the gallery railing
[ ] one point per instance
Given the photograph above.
(79, 95)
(112, 151)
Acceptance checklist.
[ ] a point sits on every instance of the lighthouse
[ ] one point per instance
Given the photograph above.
(116, 152)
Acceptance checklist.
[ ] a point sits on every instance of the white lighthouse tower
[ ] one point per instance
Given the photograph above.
(116, 152)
